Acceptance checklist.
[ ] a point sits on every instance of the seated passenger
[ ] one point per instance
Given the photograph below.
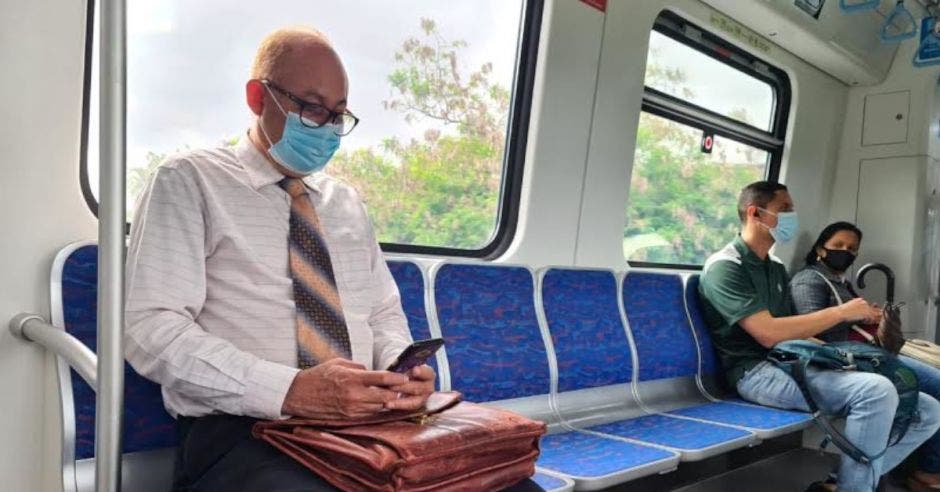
(822, 284)
(746, 304)
(255, 285)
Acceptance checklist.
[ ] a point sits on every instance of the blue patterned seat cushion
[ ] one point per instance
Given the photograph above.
(584, 319)
(147, 426)
(682, 434)
(487, 317)
(411, 288)
(548, 482)
(584, 455)
(655, 311)
(750, 416)
(707, 350)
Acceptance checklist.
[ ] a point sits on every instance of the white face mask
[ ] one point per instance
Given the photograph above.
(788, 225)
(302, 148)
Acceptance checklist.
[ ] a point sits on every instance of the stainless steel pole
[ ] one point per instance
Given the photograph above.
(111, 220)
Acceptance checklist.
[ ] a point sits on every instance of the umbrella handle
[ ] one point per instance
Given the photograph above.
(881, 267)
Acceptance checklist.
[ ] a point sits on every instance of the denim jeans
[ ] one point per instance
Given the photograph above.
(929, 379)
(868, 402)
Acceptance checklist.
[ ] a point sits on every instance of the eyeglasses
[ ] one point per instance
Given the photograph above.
(315, 115)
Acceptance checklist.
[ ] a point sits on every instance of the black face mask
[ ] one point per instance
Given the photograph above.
(838, 259)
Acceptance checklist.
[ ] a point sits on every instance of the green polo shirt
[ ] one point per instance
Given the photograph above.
(735, 284)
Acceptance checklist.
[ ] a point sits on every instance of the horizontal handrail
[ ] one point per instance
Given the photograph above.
(33, 328)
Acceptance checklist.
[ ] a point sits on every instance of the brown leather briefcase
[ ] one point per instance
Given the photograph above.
(449, 445)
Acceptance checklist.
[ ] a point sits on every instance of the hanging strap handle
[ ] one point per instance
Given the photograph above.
(928, 51)
(852, 7)
(899, 14)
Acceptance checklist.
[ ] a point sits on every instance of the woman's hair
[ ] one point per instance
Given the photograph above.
(827, 234)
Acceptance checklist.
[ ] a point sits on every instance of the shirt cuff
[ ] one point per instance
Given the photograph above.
(266, 388)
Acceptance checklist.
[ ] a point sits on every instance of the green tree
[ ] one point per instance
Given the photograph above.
(682, 201)
(443, 189)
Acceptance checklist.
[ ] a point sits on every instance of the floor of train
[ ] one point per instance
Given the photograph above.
(777, 465)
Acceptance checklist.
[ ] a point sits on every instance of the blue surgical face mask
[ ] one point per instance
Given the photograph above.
(788, 224)
(302, 149)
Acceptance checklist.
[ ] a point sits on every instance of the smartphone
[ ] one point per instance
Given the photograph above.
(416, 354)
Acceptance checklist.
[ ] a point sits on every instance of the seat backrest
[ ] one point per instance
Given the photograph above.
(583, 317)
(147, 425)
(487, 317)
(655, 310)
(693, 304)
(411, 286)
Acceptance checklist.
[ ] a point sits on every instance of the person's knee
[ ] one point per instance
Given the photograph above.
(929, 410)
(878, 390)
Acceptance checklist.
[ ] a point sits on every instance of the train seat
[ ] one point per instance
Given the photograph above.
(149, 431)
(149, 437)
(553, 483)
(669, 358)
(412, 287)
(595, 369)
(496, 354)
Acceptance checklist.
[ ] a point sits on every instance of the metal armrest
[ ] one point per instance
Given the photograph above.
(33, 328)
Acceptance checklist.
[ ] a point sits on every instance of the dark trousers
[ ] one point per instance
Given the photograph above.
(217, 453)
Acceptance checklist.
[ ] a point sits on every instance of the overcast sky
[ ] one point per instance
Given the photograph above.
(717, 86)
(188, 61)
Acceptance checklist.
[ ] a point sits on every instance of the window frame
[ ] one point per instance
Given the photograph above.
(85, 183)
(514, 154)
(689, 114)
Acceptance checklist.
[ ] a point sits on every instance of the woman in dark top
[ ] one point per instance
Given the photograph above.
(822, 284)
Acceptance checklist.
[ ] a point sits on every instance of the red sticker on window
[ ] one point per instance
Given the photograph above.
(598, 4)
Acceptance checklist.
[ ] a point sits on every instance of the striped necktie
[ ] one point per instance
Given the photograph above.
(321, 326)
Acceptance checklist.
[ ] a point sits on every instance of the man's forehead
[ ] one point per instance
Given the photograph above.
(315, 75)
(782, 200)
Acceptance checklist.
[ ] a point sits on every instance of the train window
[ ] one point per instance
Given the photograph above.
(738, 95)
(442, 90)
(713, 121)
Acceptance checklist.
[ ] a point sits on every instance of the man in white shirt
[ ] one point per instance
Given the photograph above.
(251, 296)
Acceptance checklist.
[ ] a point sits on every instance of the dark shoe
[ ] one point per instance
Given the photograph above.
(829, 485)
(915, 485)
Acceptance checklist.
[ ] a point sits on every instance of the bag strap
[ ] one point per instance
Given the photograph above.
(839, 300)
(797, 370)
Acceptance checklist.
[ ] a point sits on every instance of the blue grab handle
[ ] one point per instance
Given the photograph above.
(858, 6)
(928, 51)
(900, 13)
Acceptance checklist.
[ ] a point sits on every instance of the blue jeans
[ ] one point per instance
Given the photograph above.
(868, 401)
(929, 379)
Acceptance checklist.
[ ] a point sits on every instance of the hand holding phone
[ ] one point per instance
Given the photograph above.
(416, 354)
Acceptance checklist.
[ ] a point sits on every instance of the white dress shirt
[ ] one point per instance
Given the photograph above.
(210, 310)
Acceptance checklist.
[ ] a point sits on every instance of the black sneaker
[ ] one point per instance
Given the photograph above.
(827, 485)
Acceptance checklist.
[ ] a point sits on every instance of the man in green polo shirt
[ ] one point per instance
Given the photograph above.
(746, 303)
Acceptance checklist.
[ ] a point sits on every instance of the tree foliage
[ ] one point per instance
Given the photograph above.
(442, 190)
(682, 201)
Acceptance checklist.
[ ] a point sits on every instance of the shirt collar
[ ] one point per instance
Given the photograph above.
(260, 171)
(746, 253)
(829, 274)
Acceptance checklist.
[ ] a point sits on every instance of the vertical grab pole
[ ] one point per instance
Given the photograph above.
(111, 222)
